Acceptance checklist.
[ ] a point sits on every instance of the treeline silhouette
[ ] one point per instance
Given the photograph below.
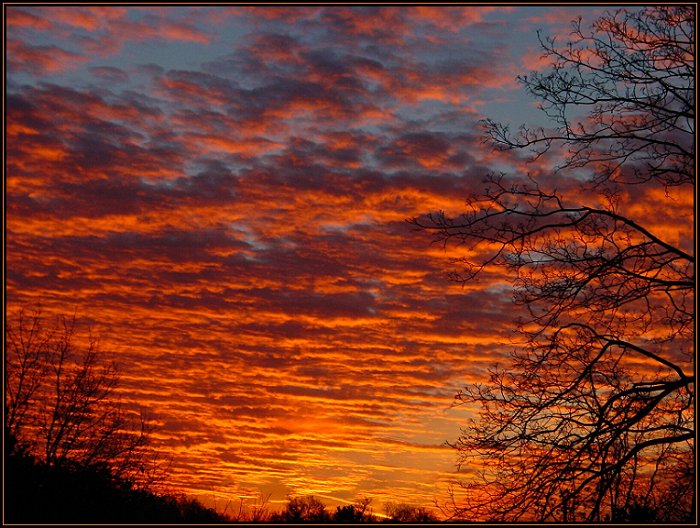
(312, 510)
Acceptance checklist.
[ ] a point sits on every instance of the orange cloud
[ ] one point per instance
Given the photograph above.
(234, 229)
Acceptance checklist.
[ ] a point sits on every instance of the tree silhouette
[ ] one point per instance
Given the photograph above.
(359, 512)
(594, 418)
(61, 406)
(72, 454)
(407, 513)
(303, 509)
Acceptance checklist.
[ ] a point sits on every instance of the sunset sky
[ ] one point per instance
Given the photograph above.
(221, 194)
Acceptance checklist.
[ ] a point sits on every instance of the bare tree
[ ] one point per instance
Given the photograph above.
(303, 509)
(634, 75)
(408, 513)
(594, 418)
(255, 511)
(359, 512)
(61, 405)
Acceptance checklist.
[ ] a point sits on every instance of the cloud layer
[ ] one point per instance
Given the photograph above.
(221, 193)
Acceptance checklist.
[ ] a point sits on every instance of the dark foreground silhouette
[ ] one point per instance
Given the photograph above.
(39, 493)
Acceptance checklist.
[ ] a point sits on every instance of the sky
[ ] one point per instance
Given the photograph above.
(221, 195)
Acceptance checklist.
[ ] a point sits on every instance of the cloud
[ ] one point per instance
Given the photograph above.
(94, 30)
(109, 74)
(236, 230)
(40, 60)
(453, 19)
(19, 18)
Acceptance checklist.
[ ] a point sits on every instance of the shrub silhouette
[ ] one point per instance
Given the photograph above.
(355, 513)
(408, 513)
(303, 509)
(350, 514)
(311, 510)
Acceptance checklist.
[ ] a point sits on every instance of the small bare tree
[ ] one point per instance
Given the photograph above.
(594, 418)
(303, 509)
(61, 406)
(255, 511)
(408, 513)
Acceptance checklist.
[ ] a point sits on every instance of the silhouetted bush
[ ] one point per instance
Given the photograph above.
(311, 510)
(303, 509)
(409, 514)
(348, 514)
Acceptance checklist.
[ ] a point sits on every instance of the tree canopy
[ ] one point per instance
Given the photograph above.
(594, 418)
(61, 405)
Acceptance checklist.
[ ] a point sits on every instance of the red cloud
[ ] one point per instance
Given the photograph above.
(18, 18)
(41, 60)
(453, 18)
